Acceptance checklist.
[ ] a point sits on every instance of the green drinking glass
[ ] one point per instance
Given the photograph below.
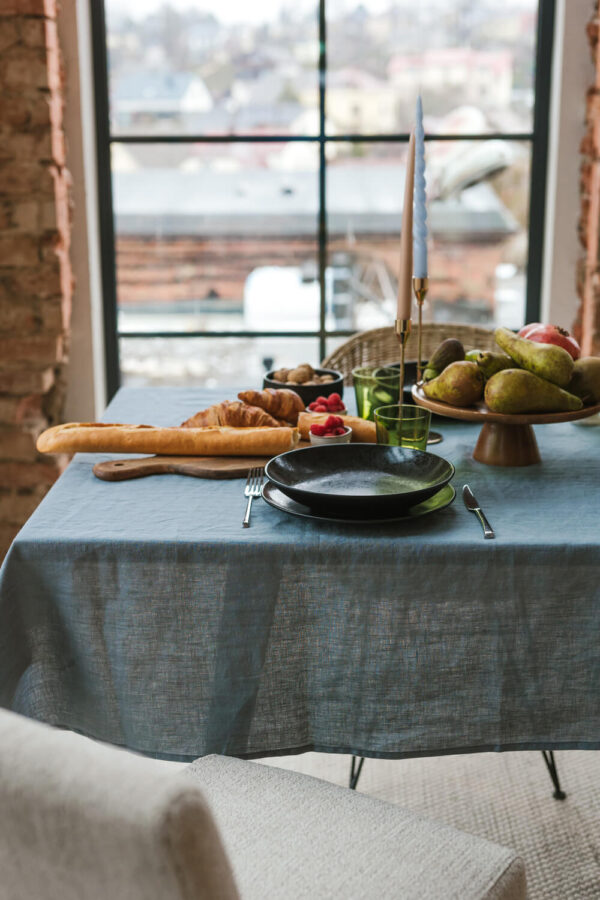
(375, 386)
(403, 425)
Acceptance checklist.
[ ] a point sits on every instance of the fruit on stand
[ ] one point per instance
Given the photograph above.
(585, 382)
(490, 362)
(520, 391)
(551, 334)
(552, 363)
(460, 384)
(449, 351)
(527, 328)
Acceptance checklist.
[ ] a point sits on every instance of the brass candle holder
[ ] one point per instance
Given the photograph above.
(402, 329)
(420, 288)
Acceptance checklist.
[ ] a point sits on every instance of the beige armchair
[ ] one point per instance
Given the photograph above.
(83, 821)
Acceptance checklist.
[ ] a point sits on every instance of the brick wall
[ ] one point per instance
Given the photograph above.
(588, 277)
(35, 274)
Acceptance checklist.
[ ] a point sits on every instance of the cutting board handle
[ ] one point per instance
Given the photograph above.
(123, 469)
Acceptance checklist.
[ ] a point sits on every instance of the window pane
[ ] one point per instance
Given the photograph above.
(201, 67)
(211, 362)
(478, 201)
(473, 64)
(216, 237)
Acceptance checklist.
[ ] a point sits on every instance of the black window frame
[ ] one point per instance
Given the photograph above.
(537, 138)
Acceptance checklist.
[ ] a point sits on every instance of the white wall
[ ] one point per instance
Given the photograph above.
(86, 393)
(573, 73)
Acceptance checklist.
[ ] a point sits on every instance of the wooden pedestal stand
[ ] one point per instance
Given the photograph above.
(504, 440)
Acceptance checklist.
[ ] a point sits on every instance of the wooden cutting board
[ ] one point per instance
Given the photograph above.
(197, 466)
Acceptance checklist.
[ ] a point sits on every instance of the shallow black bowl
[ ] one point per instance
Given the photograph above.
(310, 392)
(373, 479)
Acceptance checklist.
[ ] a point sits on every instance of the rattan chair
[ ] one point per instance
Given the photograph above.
(379, 345)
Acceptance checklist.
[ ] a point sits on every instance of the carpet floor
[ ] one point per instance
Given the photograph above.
(505, 797)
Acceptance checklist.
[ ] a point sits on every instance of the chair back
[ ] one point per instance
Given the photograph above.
(379, 346)
(83, 821)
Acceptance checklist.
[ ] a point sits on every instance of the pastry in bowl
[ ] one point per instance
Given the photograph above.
(307, 382)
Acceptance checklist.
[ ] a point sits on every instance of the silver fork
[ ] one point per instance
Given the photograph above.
(252, 490)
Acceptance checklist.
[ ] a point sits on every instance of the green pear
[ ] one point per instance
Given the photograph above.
(449, 351)
(519, 391)
(585, 382)
(547, 361)
(490, 362)
(460, 384)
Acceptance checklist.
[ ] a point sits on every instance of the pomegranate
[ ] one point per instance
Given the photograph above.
(552, 334)
(526, 329)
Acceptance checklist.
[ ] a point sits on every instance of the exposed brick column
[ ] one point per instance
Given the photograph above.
(588, 277)
(35, 273)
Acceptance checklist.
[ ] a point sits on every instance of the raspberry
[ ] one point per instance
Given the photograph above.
(317, 429)
(335, 399)
(332, 421)
(322, 400)
(312, 405)
(340, 431)
(320, 408)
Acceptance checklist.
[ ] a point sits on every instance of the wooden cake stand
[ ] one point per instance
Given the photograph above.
(504, 440)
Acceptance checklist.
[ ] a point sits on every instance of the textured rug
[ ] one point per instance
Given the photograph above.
(505, 797)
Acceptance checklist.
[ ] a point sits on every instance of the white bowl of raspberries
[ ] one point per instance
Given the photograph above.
(331, 431)
(331, 404)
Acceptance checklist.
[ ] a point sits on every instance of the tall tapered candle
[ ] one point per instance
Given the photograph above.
(420, 222)
(406, 237)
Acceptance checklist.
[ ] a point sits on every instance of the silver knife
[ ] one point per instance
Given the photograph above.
(473, 506)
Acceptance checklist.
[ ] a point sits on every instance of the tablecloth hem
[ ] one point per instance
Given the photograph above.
(347, 751)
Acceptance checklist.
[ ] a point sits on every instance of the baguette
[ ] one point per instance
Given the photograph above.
(98, 437)
(363, 431)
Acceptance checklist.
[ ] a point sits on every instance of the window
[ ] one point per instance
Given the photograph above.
(251, 166)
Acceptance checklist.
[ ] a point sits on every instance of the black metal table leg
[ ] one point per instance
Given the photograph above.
(548, 755)
(355, 771)
(357, 763)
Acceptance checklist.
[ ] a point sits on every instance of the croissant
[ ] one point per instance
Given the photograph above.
(235, 414)
(283, 403)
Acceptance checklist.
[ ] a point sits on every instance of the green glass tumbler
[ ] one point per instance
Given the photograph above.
(403, 425)
(375, 386)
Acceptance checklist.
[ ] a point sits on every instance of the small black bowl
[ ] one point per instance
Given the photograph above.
(369, 479)
(310, 392)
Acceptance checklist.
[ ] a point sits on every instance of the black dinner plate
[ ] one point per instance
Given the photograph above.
(365, 480)
(275, 498)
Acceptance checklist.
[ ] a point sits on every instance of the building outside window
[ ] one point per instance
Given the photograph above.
(252, 163)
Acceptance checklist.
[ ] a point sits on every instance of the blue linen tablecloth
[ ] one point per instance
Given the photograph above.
(141, 613)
